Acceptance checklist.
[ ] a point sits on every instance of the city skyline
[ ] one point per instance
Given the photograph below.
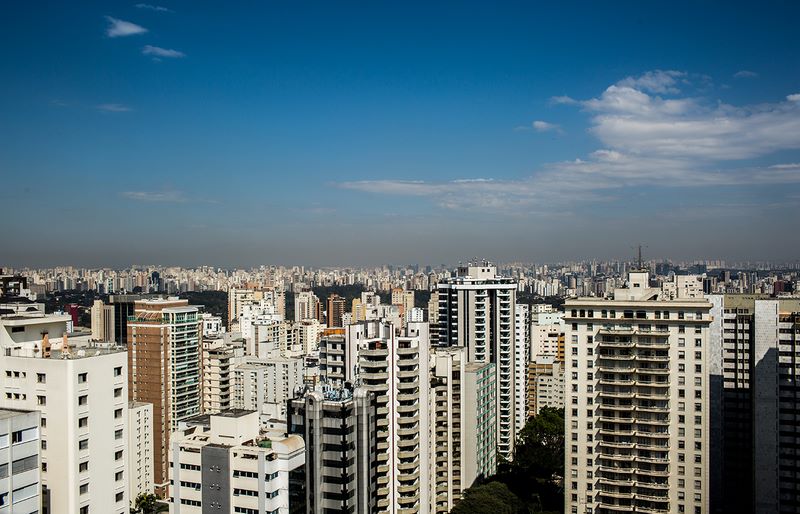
(185, 133)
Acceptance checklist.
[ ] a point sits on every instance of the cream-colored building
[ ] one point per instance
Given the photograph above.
(140, 449)
(20, 487)
(395, 367)
(224, 463)
(637, 407)
(546, 384)
(80, 389)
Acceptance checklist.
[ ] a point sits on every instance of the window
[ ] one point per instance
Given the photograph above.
(23, 493)
(82, 378)
(118, 433)
(118, 455)
(41, 400)
(83, 466)
(118, 497)
(23, 436)
(84, 510)
(83, 422)
(41, 378)
(117, 413)
(118, 476)
(118, 371)
(83, 489)
(117, 392)
(25, 464)
(83, 444)
(83, 400)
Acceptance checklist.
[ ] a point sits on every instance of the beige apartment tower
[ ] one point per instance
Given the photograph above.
(637, 406)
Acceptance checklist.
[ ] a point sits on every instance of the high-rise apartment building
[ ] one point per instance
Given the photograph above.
(165, 370)
(102, 321)
(754, 458)
(480, 420)
(637, 415)
(403, 299)
(547, 335)
(80, 388)
(306, 306)
(395, 367)
(20, 487)
(222, 463)
(140, 449)
(545, 384)
(266, 385)
(433, 318)
(339, 428)
(522, 356)
(218, 361)
(464, 424)
(476, 311)
(123, 307)
(335, 310)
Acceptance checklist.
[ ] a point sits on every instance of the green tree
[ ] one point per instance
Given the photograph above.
(540, 446)
(147, 503)
(490, 498)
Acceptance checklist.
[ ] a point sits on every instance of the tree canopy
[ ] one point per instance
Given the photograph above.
(531, 483)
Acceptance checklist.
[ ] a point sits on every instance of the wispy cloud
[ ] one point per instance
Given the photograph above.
(157, 51)
(155, 196)
(646, 141)
(563, 100)
(745, 74)
(151, 7)
(122, 28)
(658, 81)
(543, 126)
(113, 108)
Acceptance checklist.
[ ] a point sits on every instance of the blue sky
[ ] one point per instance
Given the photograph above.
(338, 133)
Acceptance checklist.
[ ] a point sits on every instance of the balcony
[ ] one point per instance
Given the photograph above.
(616, 356)
(616, 394)
(616, 431)
(616, 444)
(613, 493)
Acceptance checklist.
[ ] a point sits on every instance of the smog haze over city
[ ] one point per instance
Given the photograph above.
(343, 133)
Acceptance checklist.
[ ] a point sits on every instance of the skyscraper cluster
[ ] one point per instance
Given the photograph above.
(677, 389)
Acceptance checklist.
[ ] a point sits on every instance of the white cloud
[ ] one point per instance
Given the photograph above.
(113, 108)
(543, 126)
(657, 81)
(745, 74)
(153, 7)
(635, 122)
(157, 51)
(155, 196)
(647, 141)
(565, 100)
(121, 28)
